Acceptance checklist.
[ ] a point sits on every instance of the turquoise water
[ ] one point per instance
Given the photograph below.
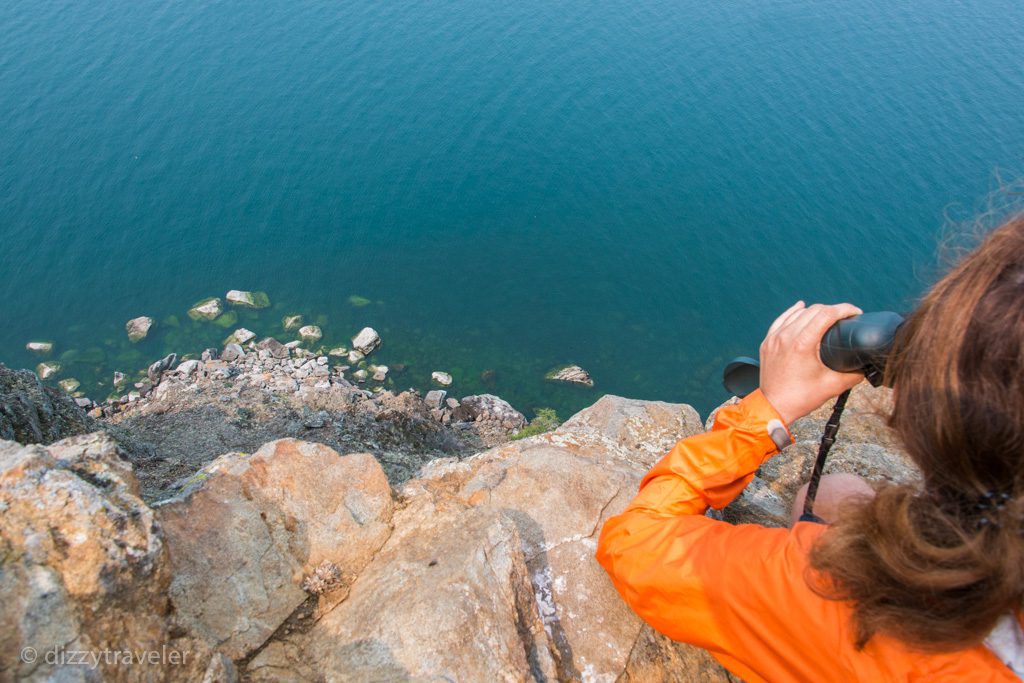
(637, 187)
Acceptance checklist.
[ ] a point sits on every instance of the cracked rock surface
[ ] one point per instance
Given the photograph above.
(308, 561)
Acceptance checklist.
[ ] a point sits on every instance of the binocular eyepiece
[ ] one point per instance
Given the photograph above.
(861, 343)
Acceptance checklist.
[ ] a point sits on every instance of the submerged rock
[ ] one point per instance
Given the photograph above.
(358, 301)
(47, 369)
(338, 352)
(291, 322)
(442, 378)
(245, 299)
(226, 320)
(354, 357)
(207, 309)
(573, 374)
(380, 372)
(42, 348)
(366, 341)
(69, 385)
(138, 328)
(310, 334)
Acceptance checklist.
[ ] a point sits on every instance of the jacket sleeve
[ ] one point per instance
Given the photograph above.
(732, 589)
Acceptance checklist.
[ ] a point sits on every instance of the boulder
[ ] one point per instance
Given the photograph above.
(42, 348)
(47, 369)
(247, 530)
(274, 347)
(490, 571)
(354, 357)
(138, 328)
(237, 297)
(380, 372)
(82, 564)
(434, 604)
(291, 322)
(310, 334)
(232, 351)
(242, 335)
(157, 369)
(488, 408)
(442, 378)
(188, 368)
(435, 398)
(572, 374)
(366, 341)
(207, 309)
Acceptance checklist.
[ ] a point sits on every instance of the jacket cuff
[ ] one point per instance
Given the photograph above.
(760, 416)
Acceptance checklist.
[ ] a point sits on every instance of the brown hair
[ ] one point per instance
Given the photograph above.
(936, 565)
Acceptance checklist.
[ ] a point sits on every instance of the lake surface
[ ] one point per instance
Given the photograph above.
(636, 187)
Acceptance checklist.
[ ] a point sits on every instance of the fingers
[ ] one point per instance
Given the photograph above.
(786, 316)
(818, 318)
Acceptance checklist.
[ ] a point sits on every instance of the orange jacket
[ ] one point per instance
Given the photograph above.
(739, 590)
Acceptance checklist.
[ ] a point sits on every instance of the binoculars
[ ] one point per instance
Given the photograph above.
(861, 343)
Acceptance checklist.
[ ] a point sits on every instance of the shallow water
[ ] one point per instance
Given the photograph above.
(637, 187)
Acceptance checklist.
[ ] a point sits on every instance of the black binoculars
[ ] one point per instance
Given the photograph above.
(858, 344)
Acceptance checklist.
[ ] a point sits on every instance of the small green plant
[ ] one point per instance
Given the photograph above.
(545, 420)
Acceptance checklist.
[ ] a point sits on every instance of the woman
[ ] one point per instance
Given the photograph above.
(917, 582)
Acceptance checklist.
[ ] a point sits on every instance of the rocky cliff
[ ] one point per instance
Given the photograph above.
(298, 560)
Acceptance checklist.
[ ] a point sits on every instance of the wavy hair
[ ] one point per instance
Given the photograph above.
(935, 565)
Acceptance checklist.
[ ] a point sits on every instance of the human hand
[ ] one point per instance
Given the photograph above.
(793, 378)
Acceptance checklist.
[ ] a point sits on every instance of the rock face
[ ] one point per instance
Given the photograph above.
(138, 328)
(296, 563)
(207, 309)
(32, 413)
(447, 598)
(247, 530)
(572, 374)
(366, 341)
(82, 565)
